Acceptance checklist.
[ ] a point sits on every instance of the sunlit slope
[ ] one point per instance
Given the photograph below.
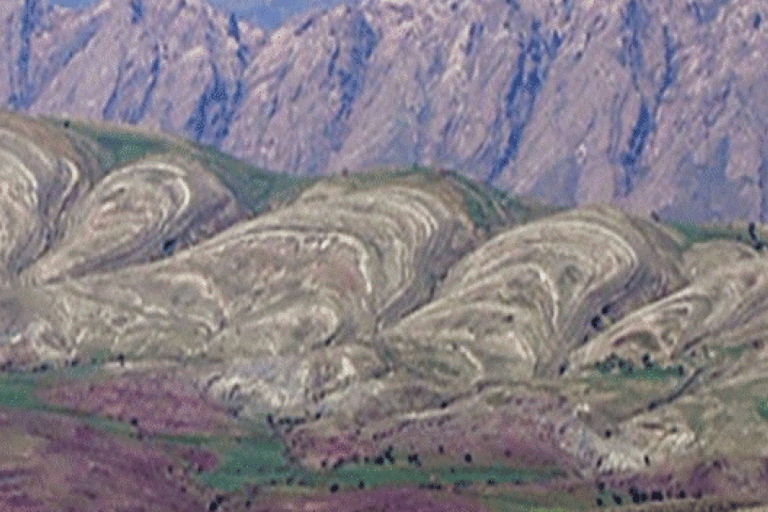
(319, 275)
(516, 306)
(42, 173)
(66, 213)
(295, 291)
(701, 352)
(137, 213)
(414, 309)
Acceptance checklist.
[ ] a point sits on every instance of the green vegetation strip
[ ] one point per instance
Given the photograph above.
(119, 147)
(649, 370)
(261, 461)
(253, 187)
(17, 389)
(762, 408)
(694, 233)
(17, 392)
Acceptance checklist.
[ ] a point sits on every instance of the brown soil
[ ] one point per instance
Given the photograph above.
(154, 403)
(522, 434)
(53, 463)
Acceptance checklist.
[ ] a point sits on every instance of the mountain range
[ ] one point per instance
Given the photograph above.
(655, 106)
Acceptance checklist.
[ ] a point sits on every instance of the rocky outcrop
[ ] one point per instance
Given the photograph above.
(43, 172)
(270, 14)
(273, 292)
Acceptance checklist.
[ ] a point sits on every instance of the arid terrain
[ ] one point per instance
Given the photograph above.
(183, 331)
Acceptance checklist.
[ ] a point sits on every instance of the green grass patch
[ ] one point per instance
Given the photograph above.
(694, 233)
(17, 391)
(374, 475)
(253, 187)
(648, 370)
(128, 147)
(119, 147)
(491, 208)
(762, 408)
(18, 388)
(259, 460)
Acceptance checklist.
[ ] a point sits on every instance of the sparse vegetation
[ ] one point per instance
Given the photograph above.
(615, 365)
(533, 293)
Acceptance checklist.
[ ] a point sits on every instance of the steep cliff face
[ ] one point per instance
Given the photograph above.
(650, 104)
(171, 66)
(640, 103)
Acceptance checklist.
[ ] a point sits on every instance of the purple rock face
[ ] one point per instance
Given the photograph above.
(654, 106)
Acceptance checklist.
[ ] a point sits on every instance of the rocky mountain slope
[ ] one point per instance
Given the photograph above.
(386, 335)
(652, 105)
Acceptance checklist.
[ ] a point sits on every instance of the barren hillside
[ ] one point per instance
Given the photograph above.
(178, 329)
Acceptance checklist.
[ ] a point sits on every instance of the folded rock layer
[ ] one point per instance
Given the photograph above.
(368, 316)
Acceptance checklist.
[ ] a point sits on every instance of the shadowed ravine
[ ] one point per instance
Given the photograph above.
(181, 331)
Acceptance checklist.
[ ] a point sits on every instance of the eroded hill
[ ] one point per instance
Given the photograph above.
(401, 337)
